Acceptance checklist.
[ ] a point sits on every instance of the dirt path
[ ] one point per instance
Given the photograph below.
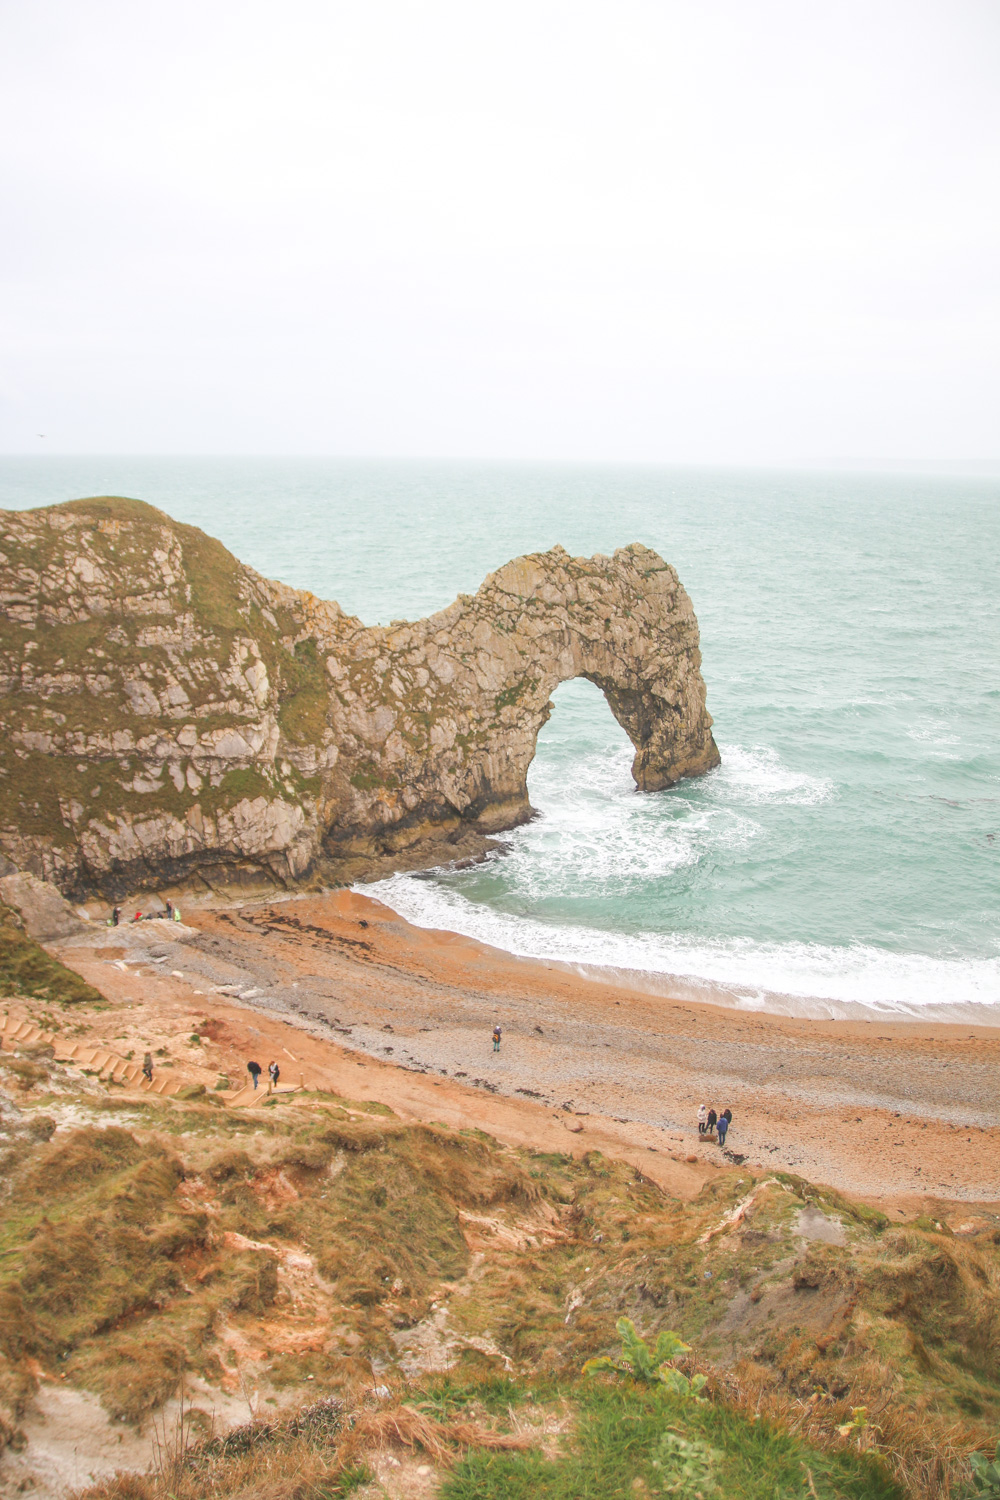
(381, 1010)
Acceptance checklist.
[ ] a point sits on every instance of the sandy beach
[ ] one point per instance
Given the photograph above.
(902, 1113)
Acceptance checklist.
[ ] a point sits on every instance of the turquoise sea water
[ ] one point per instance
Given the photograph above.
(847, 850)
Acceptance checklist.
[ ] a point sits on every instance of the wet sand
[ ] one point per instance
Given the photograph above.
(904, 1113)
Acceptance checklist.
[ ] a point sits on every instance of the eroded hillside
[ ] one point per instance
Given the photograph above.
(312, 1247)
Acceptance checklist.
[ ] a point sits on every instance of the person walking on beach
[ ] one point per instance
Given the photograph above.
(253, 1068)
(273, 1074)
(496, 1038)
(722, 1127)
(147, 1067)
(710, 1120)
(170, 911)
(116, 916)
(702, 1119)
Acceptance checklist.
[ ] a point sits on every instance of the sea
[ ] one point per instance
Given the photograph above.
(844, 860)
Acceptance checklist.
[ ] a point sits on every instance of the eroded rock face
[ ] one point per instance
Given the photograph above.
(168, 711)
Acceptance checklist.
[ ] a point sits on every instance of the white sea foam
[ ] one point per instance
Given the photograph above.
(596, 832)
(756, 774)
(754, 974)
(599, 843)
(597, 835)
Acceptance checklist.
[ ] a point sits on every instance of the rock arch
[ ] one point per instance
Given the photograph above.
(470, 688)
(169, 712)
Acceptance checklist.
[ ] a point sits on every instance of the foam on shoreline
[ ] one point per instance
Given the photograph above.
(808, 980)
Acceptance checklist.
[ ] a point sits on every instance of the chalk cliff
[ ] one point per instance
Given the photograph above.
(168, 713)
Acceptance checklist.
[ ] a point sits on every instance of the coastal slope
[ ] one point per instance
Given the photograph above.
(373, 1236)
(172, 714)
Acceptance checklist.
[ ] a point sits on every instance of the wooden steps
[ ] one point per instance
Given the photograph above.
(109, 1066)
(121, 1071)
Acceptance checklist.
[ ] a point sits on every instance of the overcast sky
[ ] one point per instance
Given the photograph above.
(685, 230)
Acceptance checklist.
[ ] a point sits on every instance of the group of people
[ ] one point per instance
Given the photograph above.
(253, 1068)
(273, 1073)
(709, 1122)
(172, 914)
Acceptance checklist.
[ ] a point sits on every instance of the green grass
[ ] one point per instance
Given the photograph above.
(615, 1451)
(303, 710)
(27, 970)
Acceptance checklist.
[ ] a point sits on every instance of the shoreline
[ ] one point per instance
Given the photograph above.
(902, 1112)
(704, 991)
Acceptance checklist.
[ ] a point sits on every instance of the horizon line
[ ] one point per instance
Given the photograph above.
(850, 463)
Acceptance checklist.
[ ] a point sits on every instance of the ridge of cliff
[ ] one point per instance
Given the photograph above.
(169, 713)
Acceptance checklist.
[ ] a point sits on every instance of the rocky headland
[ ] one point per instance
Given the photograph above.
(170, 715)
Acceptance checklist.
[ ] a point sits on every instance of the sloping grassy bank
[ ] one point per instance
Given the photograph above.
(315, 1247)
(626, 1442)
(27, 970)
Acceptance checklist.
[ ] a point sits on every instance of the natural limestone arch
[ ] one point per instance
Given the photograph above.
(170, 714)
(470, 688)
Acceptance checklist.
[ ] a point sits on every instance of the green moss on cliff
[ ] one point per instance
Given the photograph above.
(515, 693)
(245, 783)
(302, 713)
(368, 777)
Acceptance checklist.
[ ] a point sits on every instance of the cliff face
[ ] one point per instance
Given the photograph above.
(167, 711)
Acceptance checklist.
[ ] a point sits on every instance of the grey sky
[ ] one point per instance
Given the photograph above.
(690, 230)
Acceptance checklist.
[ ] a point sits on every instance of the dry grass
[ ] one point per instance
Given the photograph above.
(928, 1457)
(125, 1265)
(405, 1427)
(317, 1454)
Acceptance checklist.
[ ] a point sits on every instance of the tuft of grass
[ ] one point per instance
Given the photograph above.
(617, 1450)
